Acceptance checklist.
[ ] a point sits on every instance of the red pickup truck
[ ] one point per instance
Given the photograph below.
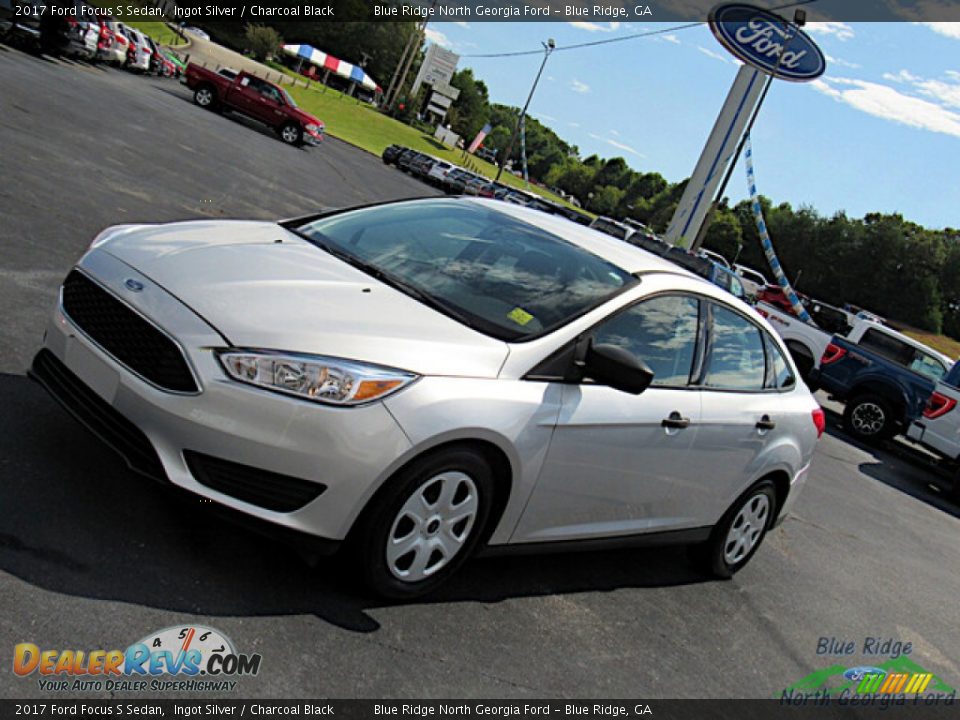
(249, 95)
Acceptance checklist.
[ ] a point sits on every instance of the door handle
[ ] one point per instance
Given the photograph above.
(675, 420)
(765, 423)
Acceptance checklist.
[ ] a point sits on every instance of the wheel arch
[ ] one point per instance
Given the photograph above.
(502, 468)
(893, 394)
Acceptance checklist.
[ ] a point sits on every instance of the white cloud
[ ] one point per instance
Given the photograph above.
(580, 87)
(574, 124)
(595, 136)
(901, 77)
(461, 24)
(435, 36)
(949, 29)
(889, 103)
(712, 54)
(841, 63)
(946, 92)
(615, 133)
(671, 38)
(840, 30)
(625, 148)
(596, 27)
(544, 116)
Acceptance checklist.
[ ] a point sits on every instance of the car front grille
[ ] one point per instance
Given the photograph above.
(98, 415)
(125, 335)
(266, 489)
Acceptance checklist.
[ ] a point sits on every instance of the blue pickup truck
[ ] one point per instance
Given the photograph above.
(883, 377)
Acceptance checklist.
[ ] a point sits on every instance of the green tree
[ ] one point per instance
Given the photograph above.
(262, 41)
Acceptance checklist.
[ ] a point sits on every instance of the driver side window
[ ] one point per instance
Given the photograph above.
(662, 332)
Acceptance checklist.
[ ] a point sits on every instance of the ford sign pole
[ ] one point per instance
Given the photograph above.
(759, 39)
(799, 19)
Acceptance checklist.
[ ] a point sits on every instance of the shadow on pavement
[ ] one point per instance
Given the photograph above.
(903, 467)
(77, 521)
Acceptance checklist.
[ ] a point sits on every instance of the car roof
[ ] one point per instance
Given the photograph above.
(620, 253)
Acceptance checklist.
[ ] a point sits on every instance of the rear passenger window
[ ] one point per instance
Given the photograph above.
(887, 346)
(781, 376)
(661, 331)
(737, 360)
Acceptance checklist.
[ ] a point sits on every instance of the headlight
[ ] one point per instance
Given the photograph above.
(314, 377)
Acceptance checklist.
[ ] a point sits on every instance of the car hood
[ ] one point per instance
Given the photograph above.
(262, 286)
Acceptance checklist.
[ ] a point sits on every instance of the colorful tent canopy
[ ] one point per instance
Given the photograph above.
(328, 62)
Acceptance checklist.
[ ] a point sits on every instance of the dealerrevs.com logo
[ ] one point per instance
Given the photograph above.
(191, 658)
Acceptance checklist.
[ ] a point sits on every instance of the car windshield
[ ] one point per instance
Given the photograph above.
(288, 98)
(495, 273)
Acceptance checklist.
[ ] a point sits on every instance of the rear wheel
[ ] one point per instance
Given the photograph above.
(738, 535)
(205, 97)
(869, 418)
(425, 523)
(291, 134)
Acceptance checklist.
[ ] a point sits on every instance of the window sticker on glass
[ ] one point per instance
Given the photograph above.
(520, 316)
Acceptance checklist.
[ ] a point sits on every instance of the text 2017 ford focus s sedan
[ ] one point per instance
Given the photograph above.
(423, 379)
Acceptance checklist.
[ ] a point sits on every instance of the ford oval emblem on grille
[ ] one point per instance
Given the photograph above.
(133, 285)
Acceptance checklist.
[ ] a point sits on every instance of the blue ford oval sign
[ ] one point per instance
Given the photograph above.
(767, 42)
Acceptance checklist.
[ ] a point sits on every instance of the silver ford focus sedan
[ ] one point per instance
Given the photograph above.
(427, 379)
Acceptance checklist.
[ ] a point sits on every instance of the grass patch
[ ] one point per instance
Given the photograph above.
(948, 346)
(361, 124)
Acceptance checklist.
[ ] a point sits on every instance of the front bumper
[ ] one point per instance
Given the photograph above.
(349, 451)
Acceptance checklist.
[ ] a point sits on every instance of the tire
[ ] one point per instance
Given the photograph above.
(205, 97)
(403, 555)
(291, 134)
(729, 548)
(869, 418)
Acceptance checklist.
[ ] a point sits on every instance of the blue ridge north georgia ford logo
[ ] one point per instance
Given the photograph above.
(767, 42)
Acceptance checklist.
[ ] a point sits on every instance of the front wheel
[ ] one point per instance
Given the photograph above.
(738, 535)
(204, 97)
(291, 134)
(868, 418)
(425, 523)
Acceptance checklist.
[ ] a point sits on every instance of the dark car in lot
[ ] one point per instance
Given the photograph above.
(391, 153)
(20, 23)
(406, 159)
(456, 180)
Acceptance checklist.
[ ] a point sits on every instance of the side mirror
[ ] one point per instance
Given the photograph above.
(618, 368)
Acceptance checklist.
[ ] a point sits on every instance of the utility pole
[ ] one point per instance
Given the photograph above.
(548, 47)
(388, 96)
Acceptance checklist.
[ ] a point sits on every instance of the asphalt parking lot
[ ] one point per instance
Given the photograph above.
(94, 557)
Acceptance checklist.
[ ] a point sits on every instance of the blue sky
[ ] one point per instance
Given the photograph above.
(880, 131)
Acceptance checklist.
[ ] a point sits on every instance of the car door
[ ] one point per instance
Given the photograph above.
(741, 413)
(617, 463)
(246, 97)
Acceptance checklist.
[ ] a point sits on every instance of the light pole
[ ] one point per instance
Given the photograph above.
(548, 47)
